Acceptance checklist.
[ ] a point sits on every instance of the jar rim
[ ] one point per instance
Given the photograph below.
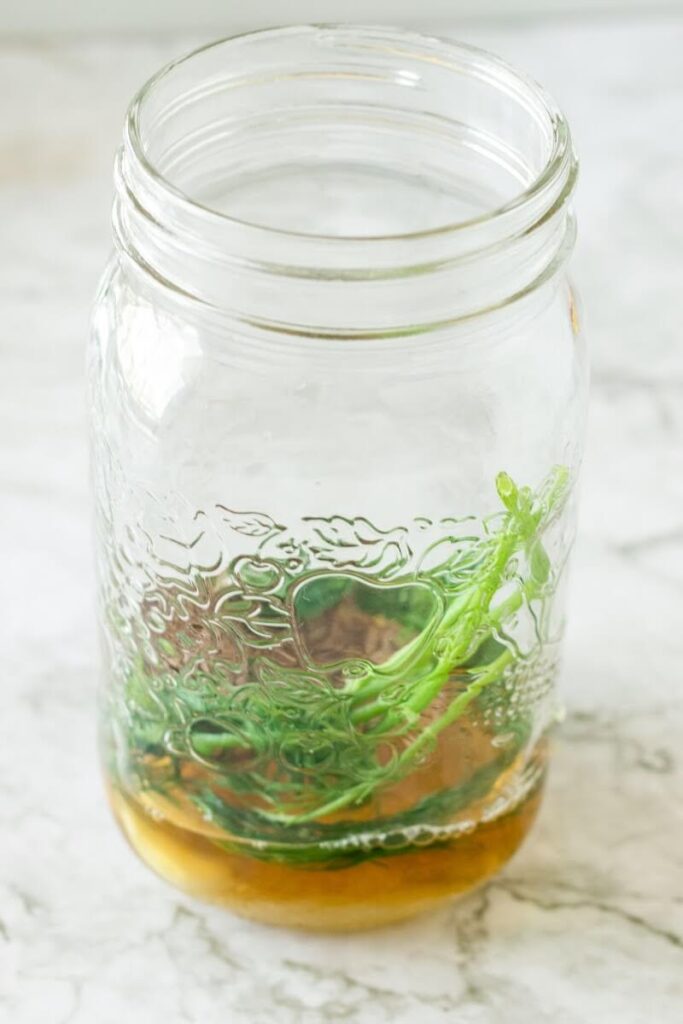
(480, 61)
(288, 280)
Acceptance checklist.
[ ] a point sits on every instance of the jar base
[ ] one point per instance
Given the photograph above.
(377, 892)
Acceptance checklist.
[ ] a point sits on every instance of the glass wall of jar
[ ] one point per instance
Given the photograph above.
(337, 395)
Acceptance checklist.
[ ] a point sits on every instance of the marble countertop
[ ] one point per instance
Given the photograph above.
(585, 926)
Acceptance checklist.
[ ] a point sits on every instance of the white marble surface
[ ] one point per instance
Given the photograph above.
(586, 924)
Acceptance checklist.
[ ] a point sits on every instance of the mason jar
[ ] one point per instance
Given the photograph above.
(337, 392)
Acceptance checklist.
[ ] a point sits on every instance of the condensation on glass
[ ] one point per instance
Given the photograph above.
(337, 394)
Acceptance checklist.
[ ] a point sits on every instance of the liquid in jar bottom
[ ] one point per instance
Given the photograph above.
(376, 892)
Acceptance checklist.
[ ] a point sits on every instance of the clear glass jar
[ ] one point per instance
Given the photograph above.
(337, 391)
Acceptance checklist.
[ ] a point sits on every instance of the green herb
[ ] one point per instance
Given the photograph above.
(295, 746)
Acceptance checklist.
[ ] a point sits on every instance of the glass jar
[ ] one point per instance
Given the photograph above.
(337, 391)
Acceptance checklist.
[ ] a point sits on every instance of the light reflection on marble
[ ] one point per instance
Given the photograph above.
(586, 924)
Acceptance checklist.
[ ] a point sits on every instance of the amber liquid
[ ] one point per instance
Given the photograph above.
(376, 891)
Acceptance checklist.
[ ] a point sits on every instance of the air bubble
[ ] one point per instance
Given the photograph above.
(503, 740)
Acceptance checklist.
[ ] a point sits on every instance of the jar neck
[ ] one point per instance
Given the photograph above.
(462, 169)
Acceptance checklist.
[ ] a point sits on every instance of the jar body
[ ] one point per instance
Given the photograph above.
(331, 578)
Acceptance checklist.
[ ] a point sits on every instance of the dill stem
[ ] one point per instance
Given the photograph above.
(355, 794)
(489, 675)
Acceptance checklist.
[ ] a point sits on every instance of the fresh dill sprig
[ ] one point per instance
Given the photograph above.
(288, 750)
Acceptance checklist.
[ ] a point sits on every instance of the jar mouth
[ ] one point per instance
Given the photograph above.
(355, 94)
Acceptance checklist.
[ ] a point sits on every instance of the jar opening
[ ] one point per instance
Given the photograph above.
(331, 154)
